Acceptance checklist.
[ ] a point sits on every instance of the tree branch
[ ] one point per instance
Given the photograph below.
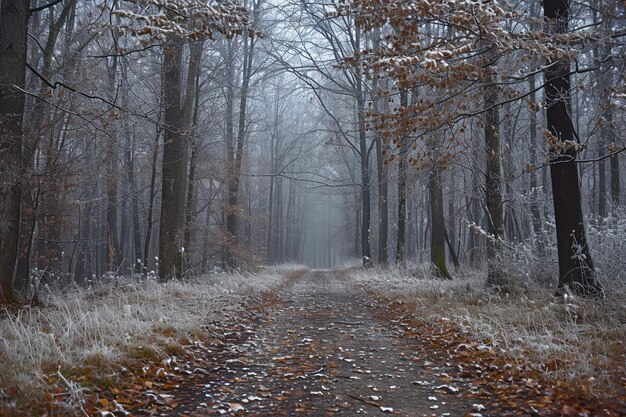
(73, 90)
(45, 6)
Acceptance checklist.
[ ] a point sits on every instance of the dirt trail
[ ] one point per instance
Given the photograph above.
(320, 352)
(360, 365)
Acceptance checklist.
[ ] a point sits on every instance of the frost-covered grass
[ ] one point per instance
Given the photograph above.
(568, 338)
(122, 320)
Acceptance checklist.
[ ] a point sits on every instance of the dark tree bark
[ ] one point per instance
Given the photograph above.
(13, 31)
(279, 237)
(189, 205)
(606, 131)
(113, 248)
(438, 225)
(151, 197)
(576, 271)
(357, 226)
(512, 230)
(365, 180)
(401, 240)
(270, 211)
(383, 204)
(134, 207)
(174, 167)
(134, 250)
(535, 213)
(274, 160)
(615, 181)
(608, 135)
(452, 250)
(190, 118)
(365, 169)
(495, 223)
(290, 241)
(381, 106)
(231, 219)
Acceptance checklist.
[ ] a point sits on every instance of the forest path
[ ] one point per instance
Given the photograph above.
(342, 359)
(318, 351)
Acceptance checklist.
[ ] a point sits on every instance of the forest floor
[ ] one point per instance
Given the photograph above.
(322, 346)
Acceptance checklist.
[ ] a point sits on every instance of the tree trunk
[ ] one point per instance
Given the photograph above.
(401, 241)
(511, 226)
(453, 255)
(365, 183)
(113, 243)
(236, 158)
(13, 30)
(113, 254)
(190, 118)
(134, 207)
(270, 220)
(604, 84)
(615, 182)
(438, 229)
(28, 226)
(495, 224)
(174, 167)
(151, 197)
(608, 135)
(274, 143)
(381, 106)
(357, 226)
(366, 253)
(411, 231)
(279, 237)
(535, 213)
(189, 206)
(133, 197)
(230, 223)
(450, 235)
(383, 205)
(291, 220)
(576, 271)
(29, 204)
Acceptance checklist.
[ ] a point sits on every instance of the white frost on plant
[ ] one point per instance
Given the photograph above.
(113, 318)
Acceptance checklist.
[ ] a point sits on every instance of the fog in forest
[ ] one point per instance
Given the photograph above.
(298, 207)
(183, 138)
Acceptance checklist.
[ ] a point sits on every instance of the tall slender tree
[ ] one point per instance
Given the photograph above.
(175, 150)
(13, 31)
(495, 222)
(576, 270)
(438, 229)
(235, 145)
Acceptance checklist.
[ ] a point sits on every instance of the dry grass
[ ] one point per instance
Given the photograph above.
(572, 339)
(100, 330)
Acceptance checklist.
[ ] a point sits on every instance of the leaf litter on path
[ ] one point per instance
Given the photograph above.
(329, 351)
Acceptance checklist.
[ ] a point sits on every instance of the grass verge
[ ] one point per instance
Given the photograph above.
(89, 337)
(575, 340)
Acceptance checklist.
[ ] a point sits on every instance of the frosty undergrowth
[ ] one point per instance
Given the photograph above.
(585, 337)
(123, 316)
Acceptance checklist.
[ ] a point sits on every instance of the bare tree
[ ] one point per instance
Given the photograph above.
(576, 271)
(493, 198)
(13, 30)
